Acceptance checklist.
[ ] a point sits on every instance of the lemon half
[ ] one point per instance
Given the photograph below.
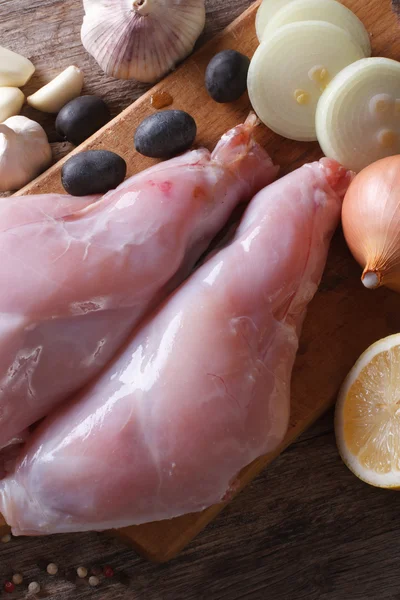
(367, 417)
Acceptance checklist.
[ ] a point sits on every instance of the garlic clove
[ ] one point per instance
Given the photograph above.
(11, 101)
(54, 95)
(15, 70)
(141, 39)
(24, 152)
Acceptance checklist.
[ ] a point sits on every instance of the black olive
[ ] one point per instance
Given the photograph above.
(165, 134)
(93, 172)
(81, 118)
(226, 76)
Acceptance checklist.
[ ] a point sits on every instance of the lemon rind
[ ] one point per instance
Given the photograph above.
(382, 480)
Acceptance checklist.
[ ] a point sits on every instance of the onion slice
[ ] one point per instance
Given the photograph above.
(290, 70)
(358, 116)
(321, 10)
(266, 10)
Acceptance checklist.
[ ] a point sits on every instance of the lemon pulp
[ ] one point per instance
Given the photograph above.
(368, 415)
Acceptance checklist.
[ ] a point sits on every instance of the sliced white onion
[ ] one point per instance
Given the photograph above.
(290, 70)
(266, 10)
(358, 115)
(321, 10)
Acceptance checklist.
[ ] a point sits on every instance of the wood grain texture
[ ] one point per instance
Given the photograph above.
(186, 86)
(48, 33)
(342, 320)
(320, 367)
(305, 529)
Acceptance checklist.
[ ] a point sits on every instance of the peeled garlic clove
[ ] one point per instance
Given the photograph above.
(15, 70)
(141, 39)
(54, 95)
(24, 152)
(11, 101)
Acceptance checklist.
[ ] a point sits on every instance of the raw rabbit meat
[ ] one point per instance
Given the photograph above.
(77, 275)
(200, 390)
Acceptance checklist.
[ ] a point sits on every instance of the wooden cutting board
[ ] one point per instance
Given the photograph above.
(343, 319)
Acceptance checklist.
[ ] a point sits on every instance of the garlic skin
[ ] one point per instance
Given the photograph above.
(11, 102)
(24, 152)
(141, 39)
(15, 70)
(371, 222)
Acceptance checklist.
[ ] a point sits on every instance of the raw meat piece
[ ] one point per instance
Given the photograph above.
(201, 389)
(76, 275)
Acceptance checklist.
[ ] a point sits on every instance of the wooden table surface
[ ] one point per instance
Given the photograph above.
(305, 529)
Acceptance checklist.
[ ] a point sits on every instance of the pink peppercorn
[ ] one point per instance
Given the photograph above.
(9, 587)
(108, 572)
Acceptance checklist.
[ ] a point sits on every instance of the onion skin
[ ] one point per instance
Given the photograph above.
(371, 222)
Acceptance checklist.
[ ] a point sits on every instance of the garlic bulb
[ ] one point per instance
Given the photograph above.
(141, 39)
(24, 152)
(371, 222)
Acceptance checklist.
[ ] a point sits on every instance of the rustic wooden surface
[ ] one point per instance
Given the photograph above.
(305, 528)
(48, 32)
(319, 370)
